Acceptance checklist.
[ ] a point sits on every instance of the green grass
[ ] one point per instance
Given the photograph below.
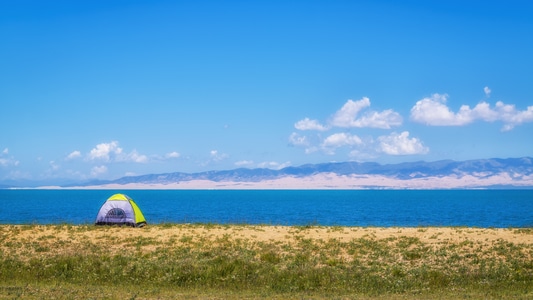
(190, 266)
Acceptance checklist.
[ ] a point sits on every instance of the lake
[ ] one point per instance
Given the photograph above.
(472, 208)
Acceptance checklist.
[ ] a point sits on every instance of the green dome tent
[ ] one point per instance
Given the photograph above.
(120, 209)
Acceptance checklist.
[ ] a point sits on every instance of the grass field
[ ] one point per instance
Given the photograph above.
(196, 261)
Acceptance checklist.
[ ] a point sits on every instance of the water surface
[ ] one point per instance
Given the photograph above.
(475, 208)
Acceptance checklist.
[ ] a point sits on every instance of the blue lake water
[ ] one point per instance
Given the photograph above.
(475, 208)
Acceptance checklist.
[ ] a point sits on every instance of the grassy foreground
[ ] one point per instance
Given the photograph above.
(170, 261)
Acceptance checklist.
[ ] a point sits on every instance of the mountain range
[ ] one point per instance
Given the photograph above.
(480, 173)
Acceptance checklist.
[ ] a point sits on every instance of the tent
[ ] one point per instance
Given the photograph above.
(120, 209)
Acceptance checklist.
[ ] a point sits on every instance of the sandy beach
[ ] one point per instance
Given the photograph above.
(120, 238)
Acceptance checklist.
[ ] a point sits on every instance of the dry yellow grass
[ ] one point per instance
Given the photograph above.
(67, 239)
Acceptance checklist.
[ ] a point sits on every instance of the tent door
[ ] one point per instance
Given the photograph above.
(117, 215)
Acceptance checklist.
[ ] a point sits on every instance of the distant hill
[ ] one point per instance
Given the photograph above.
(479, 173)
(25, 183)
(496, 173)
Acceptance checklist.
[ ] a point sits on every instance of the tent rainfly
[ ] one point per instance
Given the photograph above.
(120, 209)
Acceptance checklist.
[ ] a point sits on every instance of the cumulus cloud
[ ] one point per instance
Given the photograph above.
(401, 144)
(487, 91)
(433, 111)
(98, 170)
(274, 165)
(5, 160)
(73, 155)
(53, 166)
(216, 156)
(311, 149)
(341, 139)
(134, 156)
(347, 116)
(297, 140)
(166, 157)
(338, 140)
(385, 120)
(354, 114)
(308, 124)
(266, 164)
(111, 152)
(173, 154)
(104, 150)
(512, 117)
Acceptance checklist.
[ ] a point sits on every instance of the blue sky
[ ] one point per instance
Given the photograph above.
(103, 89)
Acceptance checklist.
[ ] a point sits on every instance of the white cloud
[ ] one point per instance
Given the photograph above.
(274, 165)
(267, 164)
(104, 150)
(134, 156)
(434, 111)
(511, 117)
(401, 144)
(341, 139)
(244, 163)
(346, 117)
(98, 170)
(308, 124)
(4, 162)
(111, 152)
(337, 140)
(487, 91)
(362, 155)
(383, 120)
(7, 161)
(311, 149)
(172, 155)
(73, 155)
(298, 140)
(482, 111)
(53, 165)
(215, 156)
(168, 156)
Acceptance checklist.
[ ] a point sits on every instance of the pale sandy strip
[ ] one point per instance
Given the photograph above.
(276, 233)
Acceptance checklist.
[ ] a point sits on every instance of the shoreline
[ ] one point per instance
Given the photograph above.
(265, 233)
(239, 186)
